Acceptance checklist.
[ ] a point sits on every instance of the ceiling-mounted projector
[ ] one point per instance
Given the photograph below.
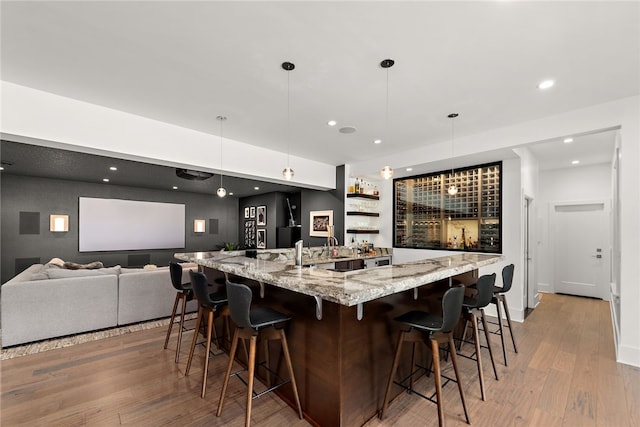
(193, 175)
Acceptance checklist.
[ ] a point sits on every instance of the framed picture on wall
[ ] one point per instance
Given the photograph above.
(261, 213)
(252, 212)
(249, 233)
(319, 223)
(246, 213)
(261, 239)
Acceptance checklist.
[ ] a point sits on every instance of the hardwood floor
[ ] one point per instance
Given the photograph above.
(565, 374)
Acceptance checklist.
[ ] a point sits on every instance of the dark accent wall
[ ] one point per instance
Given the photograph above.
(21, 194)
(303, 202)
(277, 214)
(313, 200)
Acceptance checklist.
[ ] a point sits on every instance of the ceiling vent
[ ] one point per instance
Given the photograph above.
(193, 175)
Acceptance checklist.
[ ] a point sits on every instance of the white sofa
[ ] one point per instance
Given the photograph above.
(44, 302)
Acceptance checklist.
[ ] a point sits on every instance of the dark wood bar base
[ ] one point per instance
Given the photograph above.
(341, 363)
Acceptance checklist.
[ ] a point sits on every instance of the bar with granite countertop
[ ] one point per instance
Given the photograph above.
(341, 336)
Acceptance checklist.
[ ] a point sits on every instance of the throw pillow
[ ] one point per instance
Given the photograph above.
(75, 266)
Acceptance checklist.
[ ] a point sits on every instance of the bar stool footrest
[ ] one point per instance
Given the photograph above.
(255, 394)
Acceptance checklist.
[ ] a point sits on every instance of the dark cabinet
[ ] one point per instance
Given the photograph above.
(288, 236)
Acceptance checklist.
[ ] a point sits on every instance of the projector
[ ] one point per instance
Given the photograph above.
(193, 175)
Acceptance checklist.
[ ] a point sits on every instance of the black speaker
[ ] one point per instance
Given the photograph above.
(138, 260)
(21, 264)
(213, 226)
(29, 222)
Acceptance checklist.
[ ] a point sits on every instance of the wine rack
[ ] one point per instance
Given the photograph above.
(427, 216)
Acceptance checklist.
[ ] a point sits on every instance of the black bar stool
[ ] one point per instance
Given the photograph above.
(500, 298)
(439, 330)
(185, 294)
(482, 298)
(250, 324)
(209, 304)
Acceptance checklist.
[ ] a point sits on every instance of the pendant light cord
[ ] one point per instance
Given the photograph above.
(221, 152)
(288, 120)
(387, 110)
(452, 116)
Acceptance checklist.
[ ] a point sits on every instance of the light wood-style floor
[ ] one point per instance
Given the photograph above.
(564, 375)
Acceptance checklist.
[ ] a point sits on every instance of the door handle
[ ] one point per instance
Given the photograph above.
(596, 256)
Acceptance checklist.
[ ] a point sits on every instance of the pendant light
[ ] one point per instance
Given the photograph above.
(452, 190)
(221, 192)
(386, 171)
(287, 172)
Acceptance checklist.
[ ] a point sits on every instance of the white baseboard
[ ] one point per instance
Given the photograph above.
(516, 315)
(629, 355)
(547, 288)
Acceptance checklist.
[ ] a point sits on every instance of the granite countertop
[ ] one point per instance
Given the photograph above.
(347, 288)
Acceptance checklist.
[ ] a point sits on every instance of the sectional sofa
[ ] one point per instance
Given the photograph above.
(46, 301)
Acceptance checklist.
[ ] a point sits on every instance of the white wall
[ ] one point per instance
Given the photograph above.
(575, 184)
(529, 178)
(75, 125)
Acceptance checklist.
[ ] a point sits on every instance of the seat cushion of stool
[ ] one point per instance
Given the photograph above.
(421, 320)
(497, 290)
(218, 297)
(470, 302)
(266, 316)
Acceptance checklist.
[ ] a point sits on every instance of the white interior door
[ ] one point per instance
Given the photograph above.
(581, 249)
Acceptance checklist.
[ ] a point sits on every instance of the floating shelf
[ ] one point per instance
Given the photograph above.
(359, 231)
(363, 196)
(358, 213)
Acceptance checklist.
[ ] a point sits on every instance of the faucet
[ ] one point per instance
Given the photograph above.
(331, 239)
(298, 252)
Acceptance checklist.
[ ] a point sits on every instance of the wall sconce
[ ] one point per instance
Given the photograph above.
(58, 223)
(198, 225)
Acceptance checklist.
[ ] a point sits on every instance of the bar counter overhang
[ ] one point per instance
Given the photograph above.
(342, 334)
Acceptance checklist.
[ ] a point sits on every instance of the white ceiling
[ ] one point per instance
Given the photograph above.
(187, 62)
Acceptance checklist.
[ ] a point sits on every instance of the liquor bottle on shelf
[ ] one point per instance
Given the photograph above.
(464, 240)
(357, 185)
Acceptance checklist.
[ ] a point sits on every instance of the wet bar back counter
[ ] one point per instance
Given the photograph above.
(342, 333)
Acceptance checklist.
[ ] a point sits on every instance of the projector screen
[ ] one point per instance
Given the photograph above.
(122, 225)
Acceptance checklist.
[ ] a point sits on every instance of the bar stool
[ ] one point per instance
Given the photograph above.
(209, 304)
(185, 294)
(499, 297)
(439, 330)
(481, 299)
(250, 324)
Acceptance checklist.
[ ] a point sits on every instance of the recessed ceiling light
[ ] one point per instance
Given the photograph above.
(174, 187)
(113, 168)
(105, 179)
(256, 188)
(347, 129)
(409, 169)
(1, 168)
(332, 123)
(231, 194)
(546, 84)
(568, 140)
(575, 162)
(377, 141)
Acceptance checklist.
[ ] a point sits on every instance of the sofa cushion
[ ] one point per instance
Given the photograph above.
(54, 273)
(41, 275)
(90, 266)
(55, 262)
